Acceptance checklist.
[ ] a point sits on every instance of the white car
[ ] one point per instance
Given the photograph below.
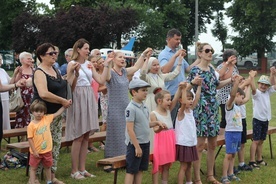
(246, 62)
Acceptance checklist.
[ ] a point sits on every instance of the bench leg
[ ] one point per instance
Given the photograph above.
(115, 176)
(28, 166)
(216, 158)
(270, 146)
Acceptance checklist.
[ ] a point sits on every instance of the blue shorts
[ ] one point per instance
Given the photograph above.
(135, 164)
(232, 142)
(259, 129)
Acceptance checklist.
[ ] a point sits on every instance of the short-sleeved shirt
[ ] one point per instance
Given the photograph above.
(138, 114)
(164, 57)
(261, 104)
(63, 69)
(233, 119)
(224, 92)
(41, 134)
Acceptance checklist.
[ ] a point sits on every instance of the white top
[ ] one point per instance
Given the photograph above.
(185, 130)
(5, 79)
(243, 111)
(136, 75)
(261, 104)
(233, 119)
(84, 74)
(164, 119)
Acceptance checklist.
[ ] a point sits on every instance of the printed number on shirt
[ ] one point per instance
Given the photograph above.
(127, 113)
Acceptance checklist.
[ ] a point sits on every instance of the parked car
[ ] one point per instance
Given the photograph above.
(246, 62)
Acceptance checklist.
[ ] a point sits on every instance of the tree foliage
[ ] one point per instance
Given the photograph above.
(9, 10)
(254, 20)
(220, 30)
(97, 25)
(105, 21)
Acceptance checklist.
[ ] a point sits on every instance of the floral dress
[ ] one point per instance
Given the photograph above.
(206, 111)
(23, 117)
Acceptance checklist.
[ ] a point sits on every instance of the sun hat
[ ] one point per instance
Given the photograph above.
(264, 79)
(137, 83)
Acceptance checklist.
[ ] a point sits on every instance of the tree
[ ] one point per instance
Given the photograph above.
(220, 30)
(254, 20)
(99, 26)
(9, 10)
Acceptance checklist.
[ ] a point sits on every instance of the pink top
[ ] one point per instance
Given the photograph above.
(95, 87)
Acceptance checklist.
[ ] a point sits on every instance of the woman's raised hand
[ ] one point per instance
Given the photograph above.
(147, 52)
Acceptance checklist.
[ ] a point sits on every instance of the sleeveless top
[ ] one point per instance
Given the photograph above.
(165, 119)
(57, 86)
(185, 130)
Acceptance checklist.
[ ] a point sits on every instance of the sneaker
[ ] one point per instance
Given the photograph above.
(236, 171)
(225, 180)
(245, 168)
(253, 165)
(262, 162)
(233, 177)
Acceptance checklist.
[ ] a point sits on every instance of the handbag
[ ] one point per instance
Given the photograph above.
(16, 101)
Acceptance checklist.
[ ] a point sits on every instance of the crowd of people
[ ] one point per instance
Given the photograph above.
(169, 115)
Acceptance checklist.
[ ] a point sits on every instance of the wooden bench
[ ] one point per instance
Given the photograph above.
(116, 163)
(249, 135)
(23, 147)
(17, 132)
(12, 119)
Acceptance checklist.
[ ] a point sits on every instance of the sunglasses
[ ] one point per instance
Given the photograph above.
(51, 53)
(208, 50)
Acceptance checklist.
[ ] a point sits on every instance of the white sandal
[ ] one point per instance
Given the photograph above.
(87, 174)
(77, 175)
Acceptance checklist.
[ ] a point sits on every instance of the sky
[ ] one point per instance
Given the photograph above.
(203, 37)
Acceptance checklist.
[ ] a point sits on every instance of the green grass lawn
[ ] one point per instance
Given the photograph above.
(263, 176)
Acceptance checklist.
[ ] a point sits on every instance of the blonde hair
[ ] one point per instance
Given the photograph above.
(199, 46)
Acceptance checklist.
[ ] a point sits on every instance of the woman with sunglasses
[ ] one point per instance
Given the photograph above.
(50, 87)
(206, 112)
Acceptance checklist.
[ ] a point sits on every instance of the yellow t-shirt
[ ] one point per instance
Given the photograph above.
(41, 134)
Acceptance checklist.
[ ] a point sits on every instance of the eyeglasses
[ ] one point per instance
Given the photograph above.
(208, 50)
(51, 53)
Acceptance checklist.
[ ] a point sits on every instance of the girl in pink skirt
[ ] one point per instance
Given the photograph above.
(164, 138)
(185, 131)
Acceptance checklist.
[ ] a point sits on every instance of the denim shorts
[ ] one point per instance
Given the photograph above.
(135, 164)
(232, 142)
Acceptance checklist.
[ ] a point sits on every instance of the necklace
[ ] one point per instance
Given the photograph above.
(120, 74)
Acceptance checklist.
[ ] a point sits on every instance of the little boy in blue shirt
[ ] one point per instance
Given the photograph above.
(137, 132)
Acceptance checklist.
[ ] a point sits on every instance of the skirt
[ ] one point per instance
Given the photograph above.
(186, 153)
(164, 149)
(82, 116)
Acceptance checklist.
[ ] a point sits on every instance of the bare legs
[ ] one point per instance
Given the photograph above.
(212, 141)
(185, 170)
(164, 175)
(134, 178)
(79, 152)
(256, 148)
